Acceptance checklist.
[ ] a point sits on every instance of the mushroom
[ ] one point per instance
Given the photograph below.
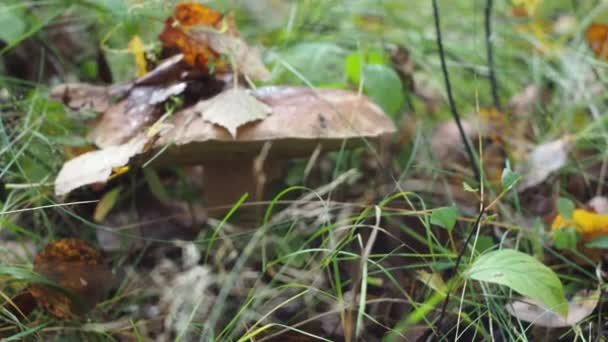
(302, 121)
(296, 122)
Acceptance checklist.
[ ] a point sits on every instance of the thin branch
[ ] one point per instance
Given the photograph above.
(448, 86)
(490, 52)
(458, 260)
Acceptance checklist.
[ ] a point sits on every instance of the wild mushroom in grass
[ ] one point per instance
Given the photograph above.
(300, 121)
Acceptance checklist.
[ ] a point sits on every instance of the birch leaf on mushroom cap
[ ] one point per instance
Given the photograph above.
(232, 109)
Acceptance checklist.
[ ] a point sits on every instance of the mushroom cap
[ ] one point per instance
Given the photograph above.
(302, 118)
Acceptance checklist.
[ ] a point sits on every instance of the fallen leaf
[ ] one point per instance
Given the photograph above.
(586, 223)
(232, 109)
(136, 47)
(79, 269)
(204, 35)
(529, 6)
(597, 38)
(128, 117)
(543, 161)
(533, 311)
(96, 166)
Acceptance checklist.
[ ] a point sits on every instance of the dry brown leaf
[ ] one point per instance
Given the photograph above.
(204, 35)
(531, 310)
(127, 118)
(233, 108)
(544, 160)
(247, 59)
(78, 268)
(96, 167)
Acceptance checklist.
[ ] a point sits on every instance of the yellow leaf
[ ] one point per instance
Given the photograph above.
(136, 47)
(529, 5)
(587, 223)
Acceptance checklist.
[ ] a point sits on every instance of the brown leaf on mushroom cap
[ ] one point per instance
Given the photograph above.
(301, 119)
(232, 109)
(127, 118)
(79, 269)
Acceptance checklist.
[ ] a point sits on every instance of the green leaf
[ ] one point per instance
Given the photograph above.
(565, 207)
(107, 202)
(445, 217)
(523, 274)
(353, 65)
(600, 242)
(508, 178)
(382, 84)
(565, 238)
(12, 26)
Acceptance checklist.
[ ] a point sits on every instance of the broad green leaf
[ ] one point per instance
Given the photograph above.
(445, 217)
(521, 273)
(565, 207)
(600, 242)
(12, 26)
(382, 84)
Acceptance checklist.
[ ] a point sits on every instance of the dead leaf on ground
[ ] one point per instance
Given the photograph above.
(523, 103)
(78, 268)
(543, 161)
(597, 38)
(204, 35)
(232, 109)
(531, 310)
(586, 223)
(97, 166)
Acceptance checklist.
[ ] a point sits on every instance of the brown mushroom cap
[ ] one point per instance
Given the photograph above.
(301, 119)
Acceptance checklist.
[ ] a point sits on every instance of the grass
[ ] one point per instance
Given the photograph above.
(346, 249)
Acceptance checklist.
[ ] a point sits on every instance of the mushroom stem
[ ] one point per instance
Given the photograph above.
(224, 182)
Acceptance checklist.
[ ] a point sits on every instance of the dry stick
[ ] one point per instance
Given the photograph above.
(448, 89)
(466, 143)
(490, 51)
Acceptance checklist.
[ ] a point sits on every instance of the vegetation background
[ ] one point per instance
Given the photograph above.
(361, 244)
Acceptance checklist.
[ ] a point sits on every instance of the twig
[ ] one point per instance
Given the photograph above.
(490, 52)
(448, 86)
